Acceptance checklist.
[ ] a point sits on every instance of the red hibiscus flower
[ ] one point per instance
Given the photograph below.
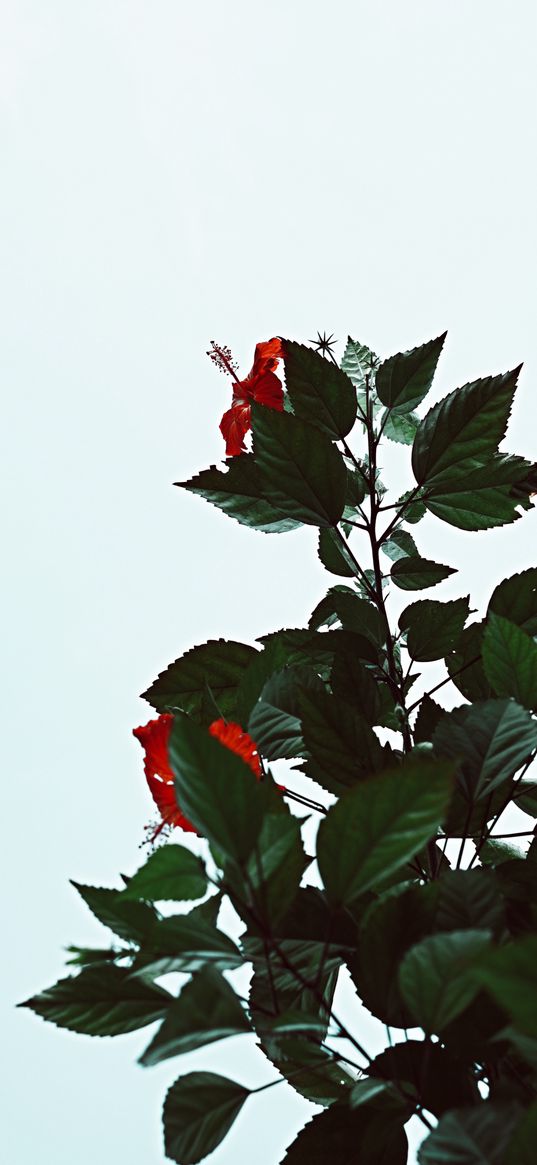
(154, 738)
(261, 385)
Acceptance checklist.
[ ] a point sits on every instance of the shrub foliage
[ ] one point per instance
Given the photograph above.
(413, 885)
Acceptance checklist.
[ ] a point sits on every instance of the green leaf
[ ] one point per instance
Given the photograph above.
(509, 974)
(275, 870)
(492, 739)
(400, 545)
(400, 427)
(522, 1146)
(342, 748)
(275, 719)
(356, 685)
(88, 956)
(429, 716)
(350, 1136)
(319, 391)
(280, 650)
(404, 380)
(410, 506)
(379, 825)
(434, 977)
(132, 921)
(367, 1090)
(334, 555)
(415, 574)
(470, 1136)
(515, 598)
(186, 943)
(171, 873)
(510, 660)
(469, 899)
(526, 797)
(239, 492)
(218, 664)
(465, 666)
(391, 925)
(302, 471)
(353, 612)
(479, 496)
(207, 1010)
(428, 1072)
(217, 790)
(463, 430)
(433, 627)
(358, 362)
(101, 1001)
(199, 1110)
(356, 490)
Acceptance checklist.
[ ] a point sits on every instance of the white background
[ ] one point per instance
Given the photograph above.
(174, 172)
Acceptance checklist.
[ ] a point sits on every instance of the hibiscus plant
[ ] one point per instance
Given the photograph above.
(398, 855)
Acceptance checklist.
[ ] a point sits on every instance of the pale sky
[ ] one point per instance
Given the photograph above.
(171, 173)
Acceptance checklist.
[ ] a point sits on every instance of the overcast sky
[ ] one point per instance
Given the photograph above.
(174, 172)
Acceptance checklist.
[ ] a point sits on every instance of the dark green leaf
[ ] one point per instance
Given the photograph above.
(101, 1001)
(400, 427)
(465, 665)
(350, 1136)
(171, 873)
(207, 1010)
(132, 921)
(522, 1145)
(219, 664)
(410, 506)
(479, 496)
(187, 943)
(198, 1112)
(509, 974)
(275, 870)
(415, 574)
(334, 555)
(275, 719)
(356, 491)
(285, 648)
(404, 380)
(400, 918)
(516, 599)
(433, 627)
(217, 790)
(510, 660)
(469, 899)
(526, 797)
(435, 979)
(342, 747)
(429, 716)
(89, 956)
(470, 1136)
(463, 430)
(319, 391)
(239, 492)
(302, 471)
(357, 686)
(379, 825)
(428, 1072)
(367, 1090)
(353, 612)
(400, 545)
(492, 741)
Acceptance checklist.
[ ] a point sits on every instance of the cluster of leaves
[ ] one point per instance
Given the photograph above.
(409, 888)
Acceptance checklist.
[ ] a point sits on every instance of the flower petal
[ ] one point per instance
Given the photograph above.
(234, 737)
(233, 427)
